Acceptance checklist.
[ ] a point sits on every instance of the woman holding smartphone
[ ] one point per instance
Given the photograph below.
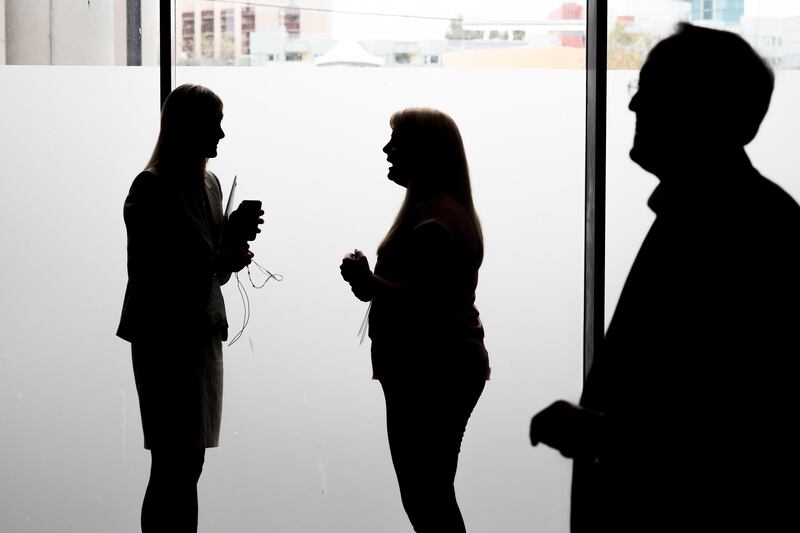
(427, 338)
(180, 250)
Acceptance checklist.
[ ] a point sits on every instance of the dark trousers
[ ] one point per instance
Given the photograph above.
(425, 423)
(170, 502)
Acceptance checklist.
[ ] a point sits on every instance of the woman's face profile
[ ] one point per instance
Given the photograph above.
(209, 136)
(201, 134)
(397, 155)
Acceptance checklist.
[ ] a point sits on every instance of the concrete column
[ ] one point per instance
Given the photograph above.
(2, 32)
(52, 32)
(83, 33)
(198, 23)
(217, 31)
(237, 33)
(27, 32)
(129, 32)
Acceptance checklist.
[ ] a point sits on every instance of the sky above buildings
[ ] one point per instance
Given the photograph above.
(398, 27)
(393, 25)
(771, 8)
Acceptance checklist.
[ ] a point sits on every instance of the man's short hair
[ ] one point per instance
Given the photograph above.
(724, 71)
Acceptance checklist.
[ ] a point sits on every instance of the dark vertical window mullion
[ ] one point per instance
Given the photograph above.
(595, 237)
(166, 47)
(134, 32)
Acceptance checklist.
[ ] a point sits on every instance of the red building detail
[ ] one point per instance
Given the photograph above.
(569, 38)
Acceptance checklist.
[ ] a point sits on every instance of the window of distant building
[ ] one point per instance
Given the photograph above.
(291, 21)
(402, 59)
(568, 39)
(573, 11)
(434, 60)
(726, 11)
(187, 34)
(708, 9)
(730, 11)
(227, 27)
(207, 33)
(226, 21)
(248, 26)
(567, 11)
(207, 18)
(573, 39)
(294, 56)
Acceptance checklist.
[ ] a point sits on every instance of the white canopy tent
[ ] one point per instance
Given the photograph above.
(349, 53)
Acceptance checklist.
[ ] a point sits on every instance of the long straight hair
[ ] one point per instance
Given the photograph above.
(439, 164)
(186, 109)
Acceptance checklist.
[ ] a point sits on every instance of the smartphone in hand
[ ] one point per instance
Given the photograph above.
(246, 220)
(247, 205)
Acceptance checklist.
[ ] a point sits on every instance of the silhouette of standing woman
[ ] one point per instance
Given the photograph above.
(173, 313)
(427, 338)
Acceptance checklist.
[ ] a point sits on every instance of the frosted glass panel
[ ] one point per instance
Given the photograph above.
(72, 138)
(303, 444)
(303, 438)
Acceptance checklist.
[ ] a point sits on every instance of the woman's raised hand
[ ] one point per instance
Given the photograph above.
(355, 267)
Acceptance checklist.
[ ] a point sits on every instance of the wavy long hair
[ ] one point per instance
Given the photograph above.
(439, 164)
(187, 109)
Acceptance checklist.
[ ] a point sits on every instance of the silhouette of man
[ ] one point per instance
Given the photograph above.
(686, 418)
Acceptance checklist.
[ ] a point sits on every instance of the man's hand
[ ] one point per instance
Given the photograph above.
(570, 429)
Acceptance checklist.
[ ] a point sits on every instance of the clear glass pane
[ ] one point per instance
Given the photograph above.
(72, 138)
(772, 27)
(86, 32)
(304, 441)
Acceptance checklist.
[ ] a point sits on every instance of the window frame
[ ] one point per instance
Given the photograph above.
(595, 205)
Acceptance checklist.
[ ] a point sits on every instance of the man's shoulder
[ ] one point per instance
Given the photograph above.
(771, 202)
(774, 191)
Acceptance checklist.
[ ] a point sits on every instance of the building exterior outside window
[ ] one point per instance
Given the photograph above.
(188, 33)
(207, 34)
(570, 38)
(708, 10)
(248, 26)
(227, 27)
(225, 30)
(726, 12)
(291, 20)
